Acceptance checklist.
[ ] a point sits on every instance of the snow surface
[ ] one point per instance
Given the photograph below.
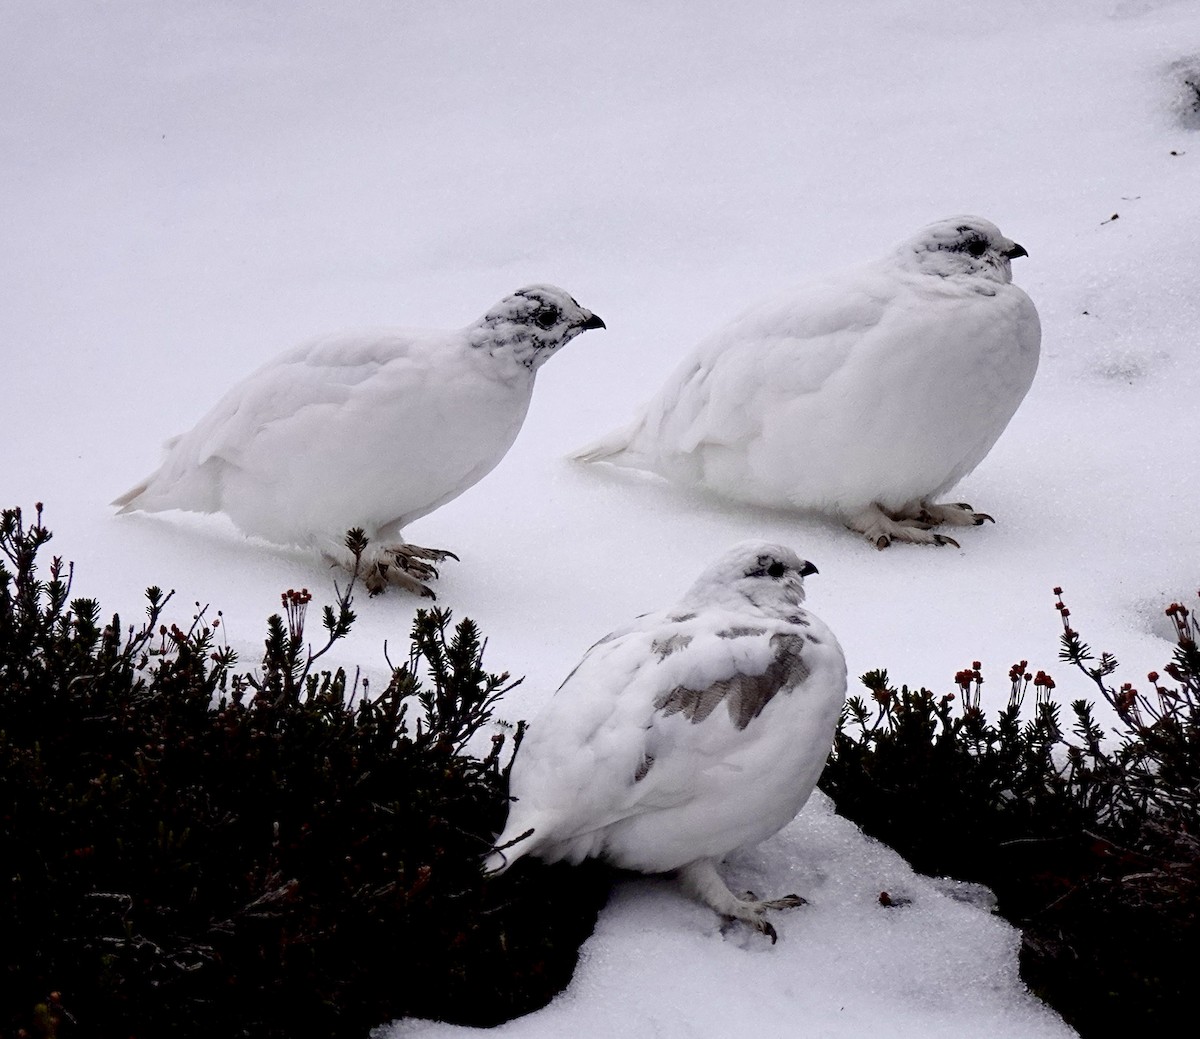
(192, 186)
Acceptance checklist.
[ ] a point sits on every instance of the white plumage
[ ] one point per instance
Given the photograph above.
(864, 396)
(371, 431)
(691, 732)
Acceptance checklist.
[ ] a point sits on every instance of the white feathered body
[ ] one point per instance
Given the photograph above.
(885, 385)
(610, 770)
(327, 437)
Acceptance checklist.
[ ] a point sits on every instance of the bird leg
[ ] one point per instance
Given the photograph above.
(401, 564)
(701, 880)
(882, 529)
(406, 565)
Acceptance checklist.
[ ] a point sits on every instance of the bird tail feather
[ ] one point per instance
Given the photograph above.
(174, 486)
(608, 448)
(128, 501)
(505, 853)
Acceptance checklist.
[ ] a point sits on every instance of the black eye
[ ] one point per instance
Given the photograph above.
(977, 248)
(776, 570)
(546, 318)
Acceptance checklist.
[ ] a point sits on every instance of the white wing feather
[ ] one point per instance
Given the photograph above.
(612, 771)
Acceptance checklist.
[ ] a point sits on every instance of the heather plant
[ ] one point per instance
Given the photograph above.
(191, 849)
(187, 849)
(1089, 839)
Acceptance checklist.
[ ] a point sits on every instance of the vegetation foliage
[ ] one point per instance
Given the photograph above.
(1091, 841)
(190, 850)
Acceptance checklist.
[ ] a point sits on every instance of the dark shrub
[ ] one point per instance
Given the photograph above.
(1090, 844)
(186, 850)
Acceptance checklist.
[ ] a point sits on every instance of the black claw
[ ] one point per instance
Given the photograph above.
(434, 554)
(421, 571)
(769, 931)
(882, 542)
(983, 517)
(941, 539)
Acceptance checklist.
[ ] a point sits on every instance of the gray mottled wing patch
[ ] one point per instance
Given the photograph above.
(672, 644)
(744, 696)
(740, 633)
(643, 768)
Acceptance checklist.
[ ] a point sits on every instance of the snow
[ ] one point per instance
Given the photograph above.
(196, 185)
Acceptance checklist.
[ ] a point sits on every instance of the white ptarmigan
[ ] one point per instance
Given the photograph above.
(864, 396)
(691, 732)
(372, 430)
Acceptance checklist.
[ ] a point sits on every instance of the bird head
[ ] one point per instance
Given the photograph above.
(961, 245)
(532, 324)
(765, 575)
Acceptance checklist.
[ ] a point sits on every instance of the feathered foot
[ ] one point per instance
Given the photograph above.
(401, 564)
(702, 881)
(881, 529)
(406, 565)
(956, 514)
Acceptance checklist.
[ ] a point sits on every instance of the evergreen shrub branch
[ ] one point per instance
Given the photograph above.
(191, 850)
(1090, 839)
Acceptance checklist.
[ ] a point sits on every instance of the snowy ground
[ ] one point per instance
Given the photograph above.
(191, 187)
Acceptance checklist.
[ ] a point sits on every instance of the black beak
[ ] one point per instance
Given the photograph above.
(807, 568)
(593, 321)
(1015, 251)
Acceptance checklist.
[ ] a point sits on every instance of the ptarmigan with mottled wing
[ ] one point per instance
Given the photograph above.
(691, 732)
(370, 431)
(864, 396)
